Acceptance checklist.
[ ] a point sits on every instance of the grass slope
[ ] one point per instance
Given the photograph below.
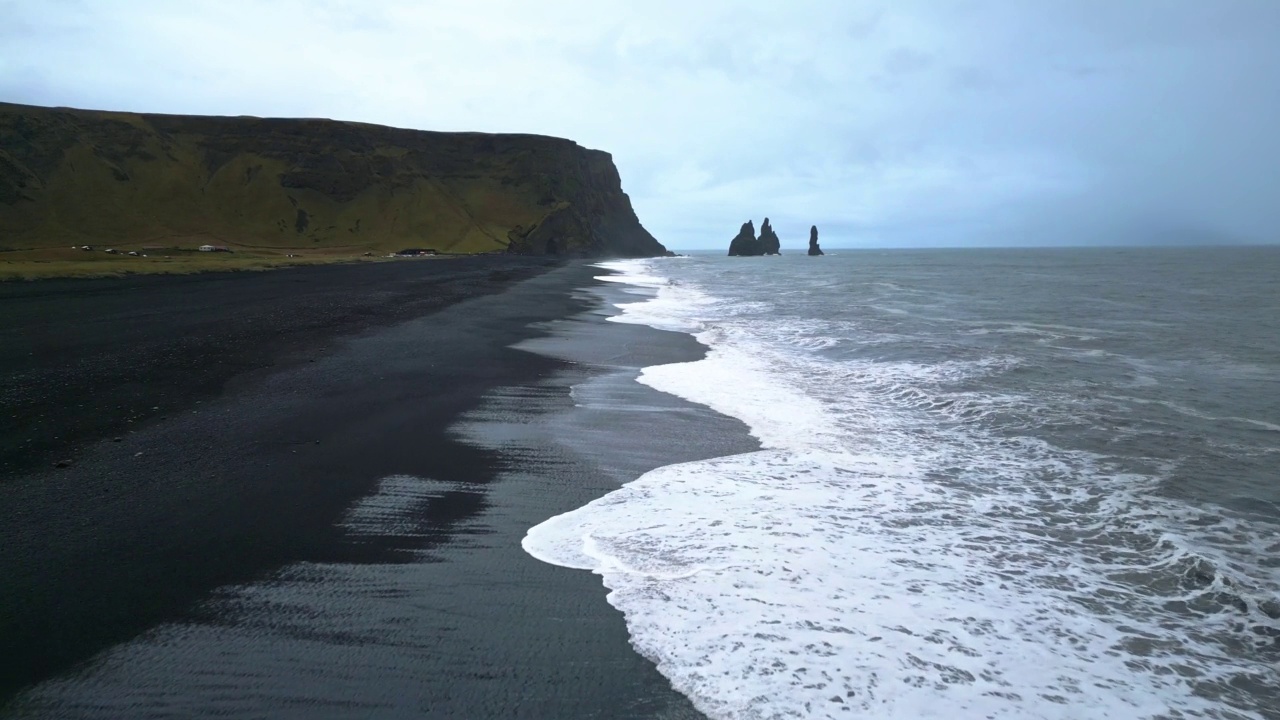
(270, 188)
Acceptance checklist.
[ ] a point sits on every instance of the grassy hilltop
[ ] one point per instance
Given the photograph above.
(270, 188)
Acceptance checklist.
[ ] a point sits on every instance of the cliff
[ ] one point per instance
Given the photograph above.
(70, 177)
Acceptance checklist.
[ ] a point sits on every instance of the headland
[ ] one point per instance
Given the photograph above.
(154, 189)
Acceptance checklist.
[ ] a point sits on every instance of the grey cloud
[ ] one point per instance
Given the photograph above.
(905, 122)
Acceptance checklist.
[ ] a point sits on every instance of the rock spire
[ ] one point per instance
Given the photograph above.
(813, 241)
(746, 242)
(769, 242)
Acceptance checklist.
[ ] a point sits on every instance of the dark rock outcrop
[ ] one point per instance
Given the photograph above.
(813, 241)
(745, 243)
(79, 176)
(769, 242)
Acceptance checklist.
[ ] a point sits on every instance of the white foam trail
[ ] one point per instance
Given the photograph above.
(1192, 412)
(885, 556)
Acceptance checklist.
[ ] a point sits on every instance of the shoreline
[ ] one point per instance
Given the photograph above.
(188, 565)
(249, 468)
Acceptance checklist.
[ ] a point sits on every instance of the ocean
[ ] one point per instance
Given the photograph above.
(990, 483)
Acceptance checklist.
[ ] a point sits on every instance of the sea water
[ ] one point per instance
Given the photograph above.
(992, 483)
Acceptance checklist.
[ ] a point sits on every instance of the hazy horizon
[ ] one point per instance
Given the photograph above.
(903, 124)
(795, 247)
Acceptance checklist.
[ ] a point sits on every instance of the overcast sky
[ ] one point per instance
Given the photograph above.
(929, 123)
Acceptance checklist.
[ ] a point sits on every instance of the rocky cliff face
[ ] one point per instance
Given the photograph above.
(77, 176)
(745, 242)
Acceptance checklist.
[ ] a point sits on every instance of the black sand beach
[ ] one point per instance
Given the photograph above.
(87, 358)
(307, 530)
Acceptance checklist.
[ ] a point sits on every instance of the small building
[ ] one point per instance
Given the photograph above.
(215, 248)
(411, 252)
(206, 248)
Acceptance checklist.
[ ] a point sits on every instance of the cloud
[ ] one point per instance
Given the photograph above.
(908, 122)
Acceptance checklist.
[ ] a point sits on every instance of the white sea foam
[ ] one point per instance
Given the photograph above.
(887, 554)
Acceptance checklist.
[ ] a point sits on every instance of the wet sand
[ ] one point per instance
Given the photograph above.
(337, 535)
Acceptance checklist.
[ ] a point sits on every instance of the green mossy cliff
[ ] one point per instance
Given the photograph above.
(70, 177)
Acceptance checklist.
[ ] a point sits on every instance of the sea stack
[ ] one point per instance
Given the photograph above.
(813, 241)
(745, 242)
(769, 242)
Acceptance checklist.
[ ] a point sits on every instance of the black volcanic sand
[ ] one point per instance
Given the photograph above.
(325, 539)
(87, 358)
